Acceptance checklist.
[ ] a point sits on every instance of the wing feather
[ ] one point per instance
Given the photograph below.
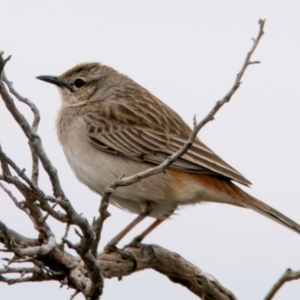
(149, 131)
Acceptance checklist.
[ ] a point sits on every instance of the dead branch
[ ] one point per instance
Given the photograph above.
(288, 275)
(85, 273)
(61, 266)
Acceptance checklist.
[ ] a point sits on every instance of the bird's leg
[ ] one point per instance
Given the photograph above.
(112, 244)
(136, 242)
(141, 236)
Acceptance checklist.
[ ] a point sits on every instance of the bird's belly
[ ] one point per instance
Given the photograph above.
(97, 169)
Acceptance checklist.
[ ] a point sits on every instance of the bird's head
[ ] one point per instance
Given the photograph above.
(83, 83)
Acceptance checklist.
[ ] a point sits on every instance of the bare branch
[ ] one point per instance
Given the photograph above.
(37, 274)
(42, 250)
(195, 120)
(84, 273)
(65, 236)
(288, 275)
(30, 132)
(9, 193)
(170, 264)
(98, 225)
(34, 109)
(3, 62)
(74, 295)
(20, 173)
(83, 249)
(32, 250)
(34, 126)
(7, 235)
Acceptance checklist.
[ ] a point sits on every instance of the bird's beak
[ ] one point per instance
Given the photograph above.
(55, 80)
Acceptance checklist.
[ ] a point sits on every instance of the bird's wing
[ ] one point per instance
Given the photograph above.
(149, 131)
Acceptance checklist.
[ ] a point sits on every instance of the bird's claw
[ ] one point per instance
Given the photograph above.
(135, 243)
(111, 248)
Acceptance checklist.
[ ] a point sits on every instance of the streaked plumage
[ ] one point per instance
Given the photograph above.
(111, 126)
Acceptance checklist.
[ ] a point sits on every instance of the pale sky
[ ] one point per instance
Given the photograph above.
(187, 53)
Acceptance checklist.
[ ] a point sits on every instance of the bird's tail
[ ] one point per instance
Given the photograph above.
(264, 209)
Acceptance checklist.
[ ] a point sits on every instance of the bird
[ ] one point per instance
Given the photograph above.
(110, 126)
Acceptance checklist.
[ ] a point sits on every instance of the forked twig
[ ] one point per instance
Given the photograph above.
(288, 275)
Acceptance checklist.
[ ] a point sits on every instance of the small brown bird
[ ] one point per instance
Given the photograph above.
(110, 126)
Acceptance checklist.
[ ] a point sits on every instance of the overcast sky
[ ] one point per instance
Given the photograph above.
(187, 53)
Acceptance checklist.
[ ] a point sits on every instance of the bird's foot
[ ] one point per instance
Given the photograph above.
(112, 248)
(136, 243)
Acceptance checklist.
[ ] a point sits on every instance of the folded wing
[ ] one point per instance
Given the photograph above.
(149, 131)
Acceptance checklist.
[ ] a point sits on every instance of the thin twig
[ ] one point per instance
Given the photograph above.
(30, 132)
(98, 225)
(21, 172)
(62, 243)
(74, 295)
(38, 274)
(10, 194)
(7, 235)
(288, 275)
(34, 126)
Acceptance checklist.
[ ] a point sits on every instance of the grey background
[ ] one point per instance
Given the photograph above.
(187, 53)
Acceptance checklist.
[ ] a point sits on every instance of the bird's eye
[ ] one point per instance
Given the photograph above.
(79, 83)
